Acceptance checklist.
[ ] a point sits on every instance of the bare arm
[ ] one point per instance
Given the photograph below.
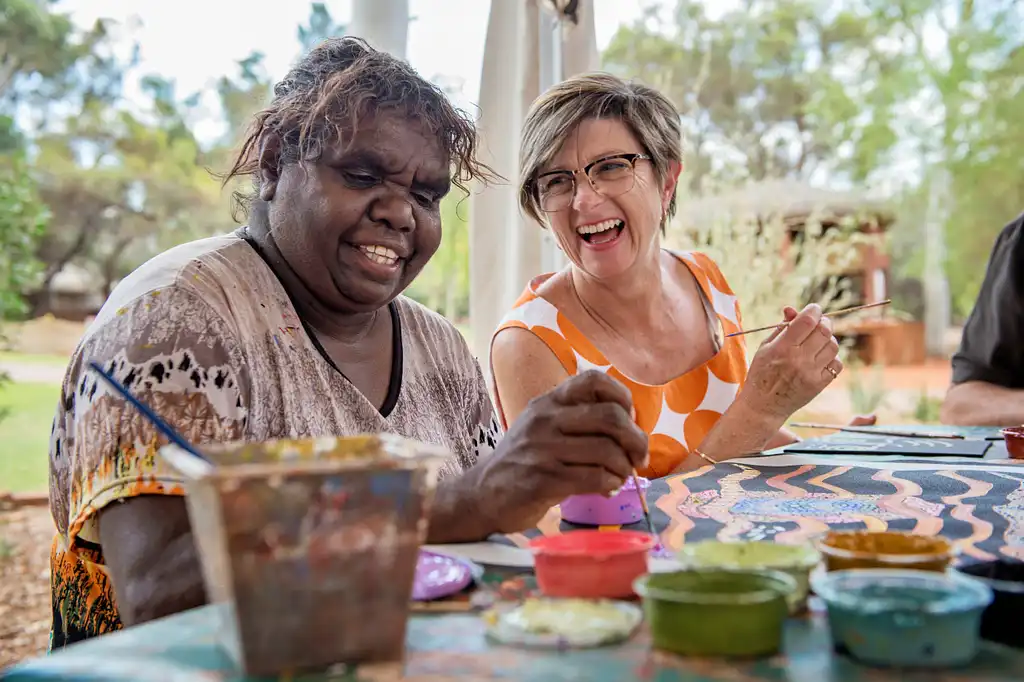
(149, 551)
(523, 368)
(977, 403)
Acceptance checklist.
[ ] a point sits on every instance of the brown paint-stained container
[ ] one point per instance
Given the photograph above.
(310, 546)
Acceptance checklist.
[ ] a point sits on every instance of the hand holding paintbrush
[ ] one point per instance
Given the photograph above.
(834, 313)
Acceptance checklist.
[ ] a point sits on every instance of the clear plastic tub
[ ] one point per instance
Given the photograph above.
(310, 546)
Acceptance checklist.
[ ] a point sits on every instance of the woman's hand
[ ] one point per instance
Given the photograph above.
(577, 439)
(793, 365)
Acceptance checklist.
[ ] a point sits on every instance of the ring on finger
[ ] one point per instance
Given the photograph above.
(832, 371)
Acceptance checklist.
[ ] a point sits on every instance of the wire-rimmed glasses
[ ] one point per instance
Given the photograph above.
(609, 176)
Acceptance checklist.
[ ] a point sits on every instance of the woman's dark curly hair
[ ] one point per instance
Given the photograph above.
(323, 99)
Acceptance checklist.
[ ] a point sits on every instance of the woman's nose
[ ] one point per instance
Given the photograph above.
(586, 196)
(394, 208)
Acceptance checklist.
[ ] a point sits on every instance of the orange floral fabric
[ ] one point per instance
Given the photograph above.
(677, 415)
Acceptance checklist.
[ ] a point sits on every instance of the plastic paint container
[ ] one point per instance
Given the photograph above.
(904, 618)
(796, 560)
(300, 540)
(845, 550)
(591, 564)
(1001, 620)
(621, 508)
(716, 613)
(1014, 439)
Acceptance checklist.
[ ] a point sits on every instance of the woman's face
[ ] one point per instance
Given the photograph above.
(358, 225)
(605, 235)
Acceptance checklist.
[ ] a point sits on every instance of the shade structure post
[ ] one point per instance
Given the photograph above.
(493, 214)
(384, 24)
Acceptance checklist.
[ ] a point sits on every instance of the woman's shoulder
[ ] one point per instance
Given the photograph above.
(704, 267)
(429, 330)
(535, 306)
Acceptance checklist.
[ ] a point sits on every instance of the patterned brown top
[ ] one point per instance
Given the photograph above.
(206, 335)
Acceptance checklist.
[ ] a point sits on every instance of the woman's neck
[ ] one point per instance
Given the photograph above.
(345, 328)
(629, 300)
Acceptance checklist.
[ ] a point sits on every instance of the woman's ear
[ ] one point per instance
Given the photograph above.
(668, 189)
(269, 165)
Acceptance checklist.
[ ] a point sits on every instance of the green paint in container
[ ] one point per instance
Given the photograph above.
(716, 613)
(795, 560)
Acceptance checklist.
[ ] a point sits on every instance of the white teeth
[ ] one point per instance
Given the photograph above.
(380, 254)
(598, 227)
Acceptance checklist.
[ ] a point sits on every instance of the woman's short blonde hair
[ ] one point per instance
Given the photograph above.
(649, 115)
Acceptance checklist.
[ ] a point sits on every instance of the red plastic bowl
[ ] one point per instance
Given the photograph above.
(591, 564)
(1014, 438)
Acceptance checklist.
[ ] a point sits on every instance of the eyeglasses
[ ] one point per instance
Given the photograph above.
(609, 177)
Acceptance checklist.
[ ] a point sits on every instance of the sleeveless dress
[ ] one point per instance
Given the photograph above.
(677, 415)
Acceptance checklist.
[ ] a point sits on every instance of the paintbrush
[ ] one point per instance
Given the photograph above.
(876, 432)
(643, 505)
(834, 313)
(152, 416)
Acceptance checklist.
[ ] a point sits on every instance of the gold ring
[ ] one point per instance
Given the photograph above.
(833, 372)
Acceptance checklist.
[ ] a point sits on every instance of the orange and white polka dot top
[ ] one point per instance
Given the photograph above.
(676, 415)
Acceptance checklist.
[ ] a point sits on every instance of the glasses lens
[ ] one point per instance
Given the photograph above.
(555, 191)
(612, 177)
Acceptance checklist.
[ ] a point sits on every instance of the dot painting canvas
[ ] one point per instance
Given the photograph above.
(865, 444)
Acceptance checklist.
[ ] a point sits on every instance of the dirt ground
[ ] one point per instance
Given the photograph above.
(25, 536)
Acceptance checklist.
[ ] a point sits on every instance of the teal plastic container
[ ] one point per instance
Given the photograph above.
(904, 618)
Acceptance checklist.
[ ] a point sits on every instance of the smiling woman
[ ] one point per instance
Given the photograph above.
(600, 159)
(295, 326)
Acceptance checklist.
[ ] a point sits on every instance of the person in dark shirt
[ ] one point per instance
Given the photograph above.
(988, 370)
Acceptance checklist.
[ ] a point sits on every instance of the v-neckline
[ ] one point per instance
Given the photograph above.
(706, 300)
(397, 355)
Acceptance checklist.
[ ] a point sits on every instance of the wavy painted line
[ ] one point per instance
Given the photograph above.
(926, 524)
(819, 481)
(779, 482)
(981, 530)
(871, 523)
(679, 524)
(807, 528)
(732, 492)
(551, 524)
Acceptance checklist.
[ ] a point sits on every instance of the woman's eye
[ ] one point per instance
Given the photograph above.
(425, 200)
(358, 179)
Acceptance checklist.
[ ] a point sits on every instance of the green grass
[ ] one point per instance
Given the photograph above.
(32, 359)
(25, 434)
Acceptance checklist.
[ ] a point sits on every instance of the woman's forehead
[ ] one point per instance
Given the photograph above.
(591, 140)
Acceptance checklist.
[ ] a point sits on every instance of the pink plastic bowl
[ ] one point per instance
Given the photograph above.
(596, 510)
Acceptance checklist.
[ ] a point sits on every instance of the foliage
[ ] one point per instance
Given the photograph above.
(866, 388)
(927, 408)
(443, 285)
(875, 93)
(767, 268)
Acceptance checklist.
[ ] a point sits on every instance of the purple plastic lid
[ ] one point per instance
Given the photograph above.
(439, 575)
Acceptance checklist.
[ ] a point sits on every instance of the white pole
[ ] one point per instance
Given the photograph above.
(382, 23)
(493, 213)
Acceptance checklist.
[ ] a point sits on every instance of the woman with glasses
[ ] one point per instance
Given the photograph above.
(600, 160)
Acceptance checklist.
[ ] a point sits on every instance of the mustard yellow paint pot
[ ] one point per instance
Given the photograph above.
(797, 561)
(846, 550)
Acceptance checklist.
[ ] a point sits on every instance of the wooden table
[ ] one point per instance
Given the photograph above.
(977, 503)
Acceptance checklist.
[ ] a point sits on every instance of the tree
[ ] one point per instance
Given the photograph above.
(320, 27)
(758, 88)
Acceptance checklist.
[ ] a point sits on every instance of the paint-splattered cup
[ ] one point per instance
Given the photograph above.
(304, 542)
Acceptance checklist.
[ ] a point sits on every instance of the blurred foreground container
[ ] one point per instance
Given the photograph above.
(311, 545)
